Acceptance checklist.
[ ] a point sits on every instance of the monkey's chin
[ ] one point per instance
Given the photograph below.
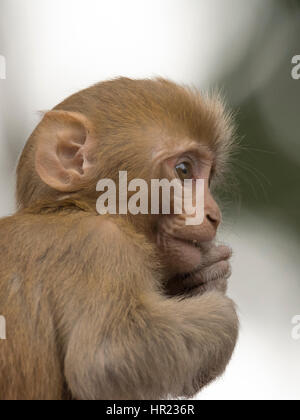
(198, 282)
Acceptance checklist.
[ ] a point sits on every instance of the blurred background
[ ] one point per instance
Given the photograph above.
(53, 48)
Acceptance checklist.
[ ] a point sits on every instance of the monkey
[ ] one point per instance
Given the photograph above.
(116, 307)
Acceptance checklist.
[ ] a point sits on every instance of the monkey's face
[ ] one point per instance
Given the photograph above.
(190, 255)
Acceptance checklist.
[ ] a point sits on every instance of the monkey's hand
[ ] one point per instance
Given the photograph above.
(212, 273)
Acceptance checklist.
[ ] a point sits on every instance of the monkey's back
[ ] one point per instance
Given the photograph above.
(33, 255)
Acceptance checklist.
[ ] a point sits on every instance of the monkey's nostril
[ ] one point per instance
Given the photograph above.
(213, 220)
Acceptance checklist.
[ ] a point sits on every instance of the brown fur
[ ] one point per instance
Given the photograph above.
(83, 295)
(122, 110)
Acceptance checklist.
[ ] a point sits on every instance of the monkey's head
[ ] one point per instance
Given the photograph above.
(152, 129)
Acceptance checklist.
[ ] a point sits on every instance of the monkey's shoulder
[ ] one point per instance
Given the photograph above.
(67, 237)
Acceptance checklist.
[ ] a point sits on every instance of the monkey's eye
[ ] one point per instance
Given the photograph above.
(184, 170)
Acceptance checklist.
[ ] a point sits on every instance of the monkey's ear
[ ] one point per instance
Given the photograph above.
(63, 148)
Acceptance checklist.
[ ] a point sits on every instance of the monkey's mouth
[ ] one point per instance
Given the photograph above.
(199, 281)
(199, 265)
(194, 243)
(213, 272)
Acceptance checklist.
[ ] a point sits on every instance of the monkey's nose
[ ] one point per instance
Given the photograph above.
(214, 219)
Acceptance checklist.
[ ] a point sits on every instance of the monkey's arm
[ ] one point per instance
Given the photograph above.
(130, 342)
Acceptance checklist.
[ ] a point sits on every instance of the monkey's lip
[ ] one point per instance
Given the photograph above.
(191, 246)
(193, 250)
(216, 268)
(214, 271)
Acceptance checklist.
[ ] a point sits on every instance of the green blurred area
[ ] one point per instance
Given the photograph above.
(267, 167)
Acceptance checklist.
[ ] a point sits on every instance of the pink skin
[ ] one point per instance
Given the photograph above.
(199, 266)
